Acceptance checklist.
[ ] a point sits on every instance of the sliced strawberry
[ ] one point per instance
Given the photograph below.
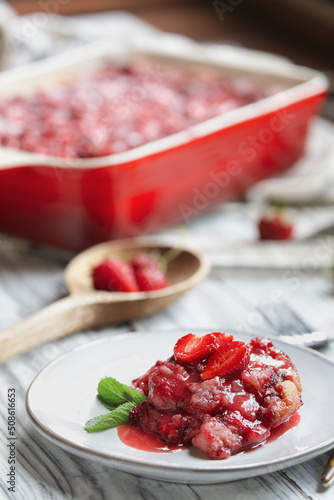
(221, 339)
(114, 275)
(192, 348)
(149, 278)
(226, 361)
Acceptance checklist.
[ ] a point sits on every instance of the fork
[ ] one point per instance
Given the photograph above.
(328, 475)
(290, 327)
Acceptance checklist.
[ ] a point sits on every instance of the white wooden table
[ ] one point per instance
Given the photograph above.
(225, 301)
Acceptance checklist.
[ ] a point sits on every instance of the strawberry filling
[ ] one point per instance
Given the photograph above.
(117, 108)
(246, 390)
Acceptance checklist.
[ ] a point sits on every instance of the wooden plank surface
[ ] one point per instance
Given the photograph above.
(29, 281)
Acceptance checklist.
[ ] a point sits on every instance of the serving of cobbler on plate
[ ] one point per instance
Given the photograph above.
(220, 394)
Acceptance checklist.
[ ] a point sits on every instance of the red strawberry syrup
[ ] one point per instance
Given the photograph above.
(283, 428)
(133, 436)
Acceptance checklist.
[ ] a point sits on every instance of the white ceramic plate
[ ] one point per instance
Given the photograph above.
(63, 396)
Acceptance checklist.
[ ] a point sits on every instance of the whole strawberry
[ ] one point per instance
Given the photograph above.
(148, 272)
(115, 275)
(275, 226)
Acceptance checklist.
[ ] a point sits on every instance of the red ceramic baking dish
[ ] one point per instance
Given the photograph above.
(77, 202)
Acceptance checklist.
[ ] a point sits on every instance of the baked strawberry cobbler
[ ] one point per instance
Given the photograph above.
(220, 394)
(117, 108)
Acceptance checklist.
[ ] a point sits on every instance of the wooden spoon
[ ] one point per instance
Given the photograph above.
(86, 307)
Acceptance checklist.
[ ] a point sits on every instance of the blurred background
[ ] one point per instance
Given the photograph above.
(301, 30)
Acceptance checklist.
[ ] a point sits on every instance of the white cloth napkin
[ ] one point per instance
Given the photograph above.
(311, 180)
(40, 35)
(6, 13)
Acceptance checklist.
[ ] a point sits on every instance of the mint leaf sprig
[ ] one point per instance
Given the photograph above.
(117, 397)
(118, 416)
